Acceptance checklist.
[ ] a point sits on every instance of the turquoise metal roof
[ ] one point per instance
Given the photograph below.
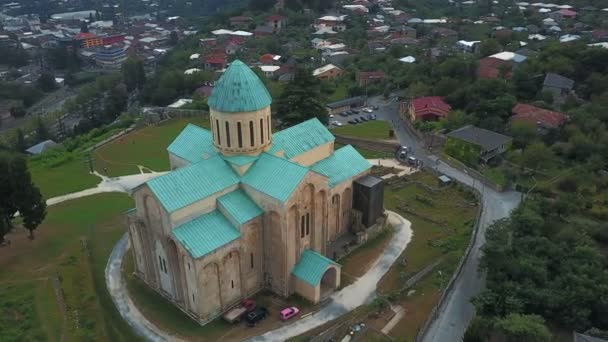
(342, 165)
(311, 267)
(205, 234)
(300, 138)
(193, 144)
(192, 183)
(274, 176)
(240, 160)
(239, 206)
(239, 90)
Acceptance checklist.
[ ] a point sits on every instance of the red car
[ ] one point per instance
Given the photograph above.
(289, 312)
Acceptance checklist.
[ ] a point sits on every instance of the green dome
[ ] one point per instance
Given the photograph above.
(239, 90)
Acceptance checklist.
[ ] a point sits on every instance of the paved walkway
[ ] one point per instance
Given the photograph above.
(399, 313)
(362, 291)
(393, 163)
(116, 184)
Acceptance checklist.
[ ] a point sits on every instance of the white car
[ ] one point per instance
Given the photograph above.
(331, 115)
(336, 123)
(368, 110)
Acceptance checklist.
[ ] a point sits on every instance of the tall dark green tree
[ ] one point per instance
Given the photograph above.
(18, 194)
(20, 143)
(133, 74)
(42, 132)
(301, 100)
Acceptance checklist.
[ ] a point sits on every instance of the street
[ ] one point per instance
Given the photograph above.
(457, 311)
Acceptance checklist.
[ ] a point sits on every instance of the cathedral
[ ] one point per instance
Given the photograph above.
(244, 209)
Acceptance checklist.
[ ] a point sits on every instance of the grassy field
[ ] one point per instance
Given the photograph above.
(442, 225)
(71, 176)
(72, 244)
(146, 147)
(367, 153)
(377, 129)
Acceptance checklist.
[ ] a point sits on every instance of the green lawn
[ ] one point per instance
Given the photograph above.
(146, 147)
(367, 153)
(442, 224)
(377, 129)
(58, 250)
(71, 176)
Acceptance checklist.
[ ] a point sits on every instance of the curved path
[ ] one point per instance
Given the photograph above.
(360, 292)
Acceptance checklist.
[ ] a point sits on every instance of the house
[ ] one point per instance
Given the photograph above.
(369, 77)
(276, 21)
(542, 119)
(442, 32)
(408, 59)
(270, 70)
(490, 67)
(269, 58)
(558, 85)
(468, 46)
(240, 21)
(263, 31)
(347, 104)
(246, 210)
(428, 108)
(600, 35)
(408, 32)
(481, 143)
(336, 23)
(42, 147)
(327, 72)
(232, 48)
(215, 61)
(578, 337)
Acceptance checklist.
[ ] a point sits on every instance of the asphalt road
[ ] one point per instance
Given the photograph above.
(457, 311)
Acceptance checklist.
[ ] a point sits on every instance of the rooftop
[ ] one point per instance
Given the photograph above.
(239, 90)
(193, 144)
(301, 138)
(274, 176)
(192, 183)
(342, 165)
(311, 267)
(488, 140)
(239, 206)
(205, 234)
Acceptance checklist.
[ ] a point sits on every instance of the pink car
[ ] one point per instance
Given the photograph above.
(289, 312)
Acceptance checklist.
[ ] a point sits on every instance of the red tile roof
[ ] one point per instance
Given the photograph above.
(527, 113)
(489, 67)
(369, 75)
(84, 35)
(567, 12)
(430, 105)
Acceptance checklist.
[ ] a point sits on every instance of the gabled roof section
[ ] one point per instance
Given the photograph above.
(240, 160)
(192, 183)
(205, 234)
(342, 165)
(311, 267)
(274, 176)
(301, 138)
(239, 90)
(239, 206)
(193, 144)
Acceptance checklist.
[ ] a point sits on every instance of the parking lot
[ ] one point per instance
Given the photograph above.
(383, 112)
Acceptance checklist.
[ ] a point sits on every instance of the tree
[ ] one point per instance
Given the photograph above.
(42, 132)
(523, 133)
(489, 47)
(46, 82)
(536, 156)
(18, 194)
(261, 5)
(301, 100)
(173, 38)
(523, 328)
(133, 74)
(20, 143)
(84, 27)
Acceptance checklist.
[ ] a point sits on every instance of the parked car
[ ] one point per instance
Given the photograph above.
(344, 114)
(373, 117)
(375, 107)
(235, 314)
(336, 123)
(355, 111)
(288, 313)
(367, 110)
(331, 115)
(363, 118)
(352, 122)
(357, 120)
(254, 317)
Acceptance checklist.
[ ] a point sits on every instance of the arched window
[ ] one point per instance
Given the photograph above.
(217, 127)
(262, 130)
(227, 134)
(239, 134)
(269, 128)
(251, 134)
